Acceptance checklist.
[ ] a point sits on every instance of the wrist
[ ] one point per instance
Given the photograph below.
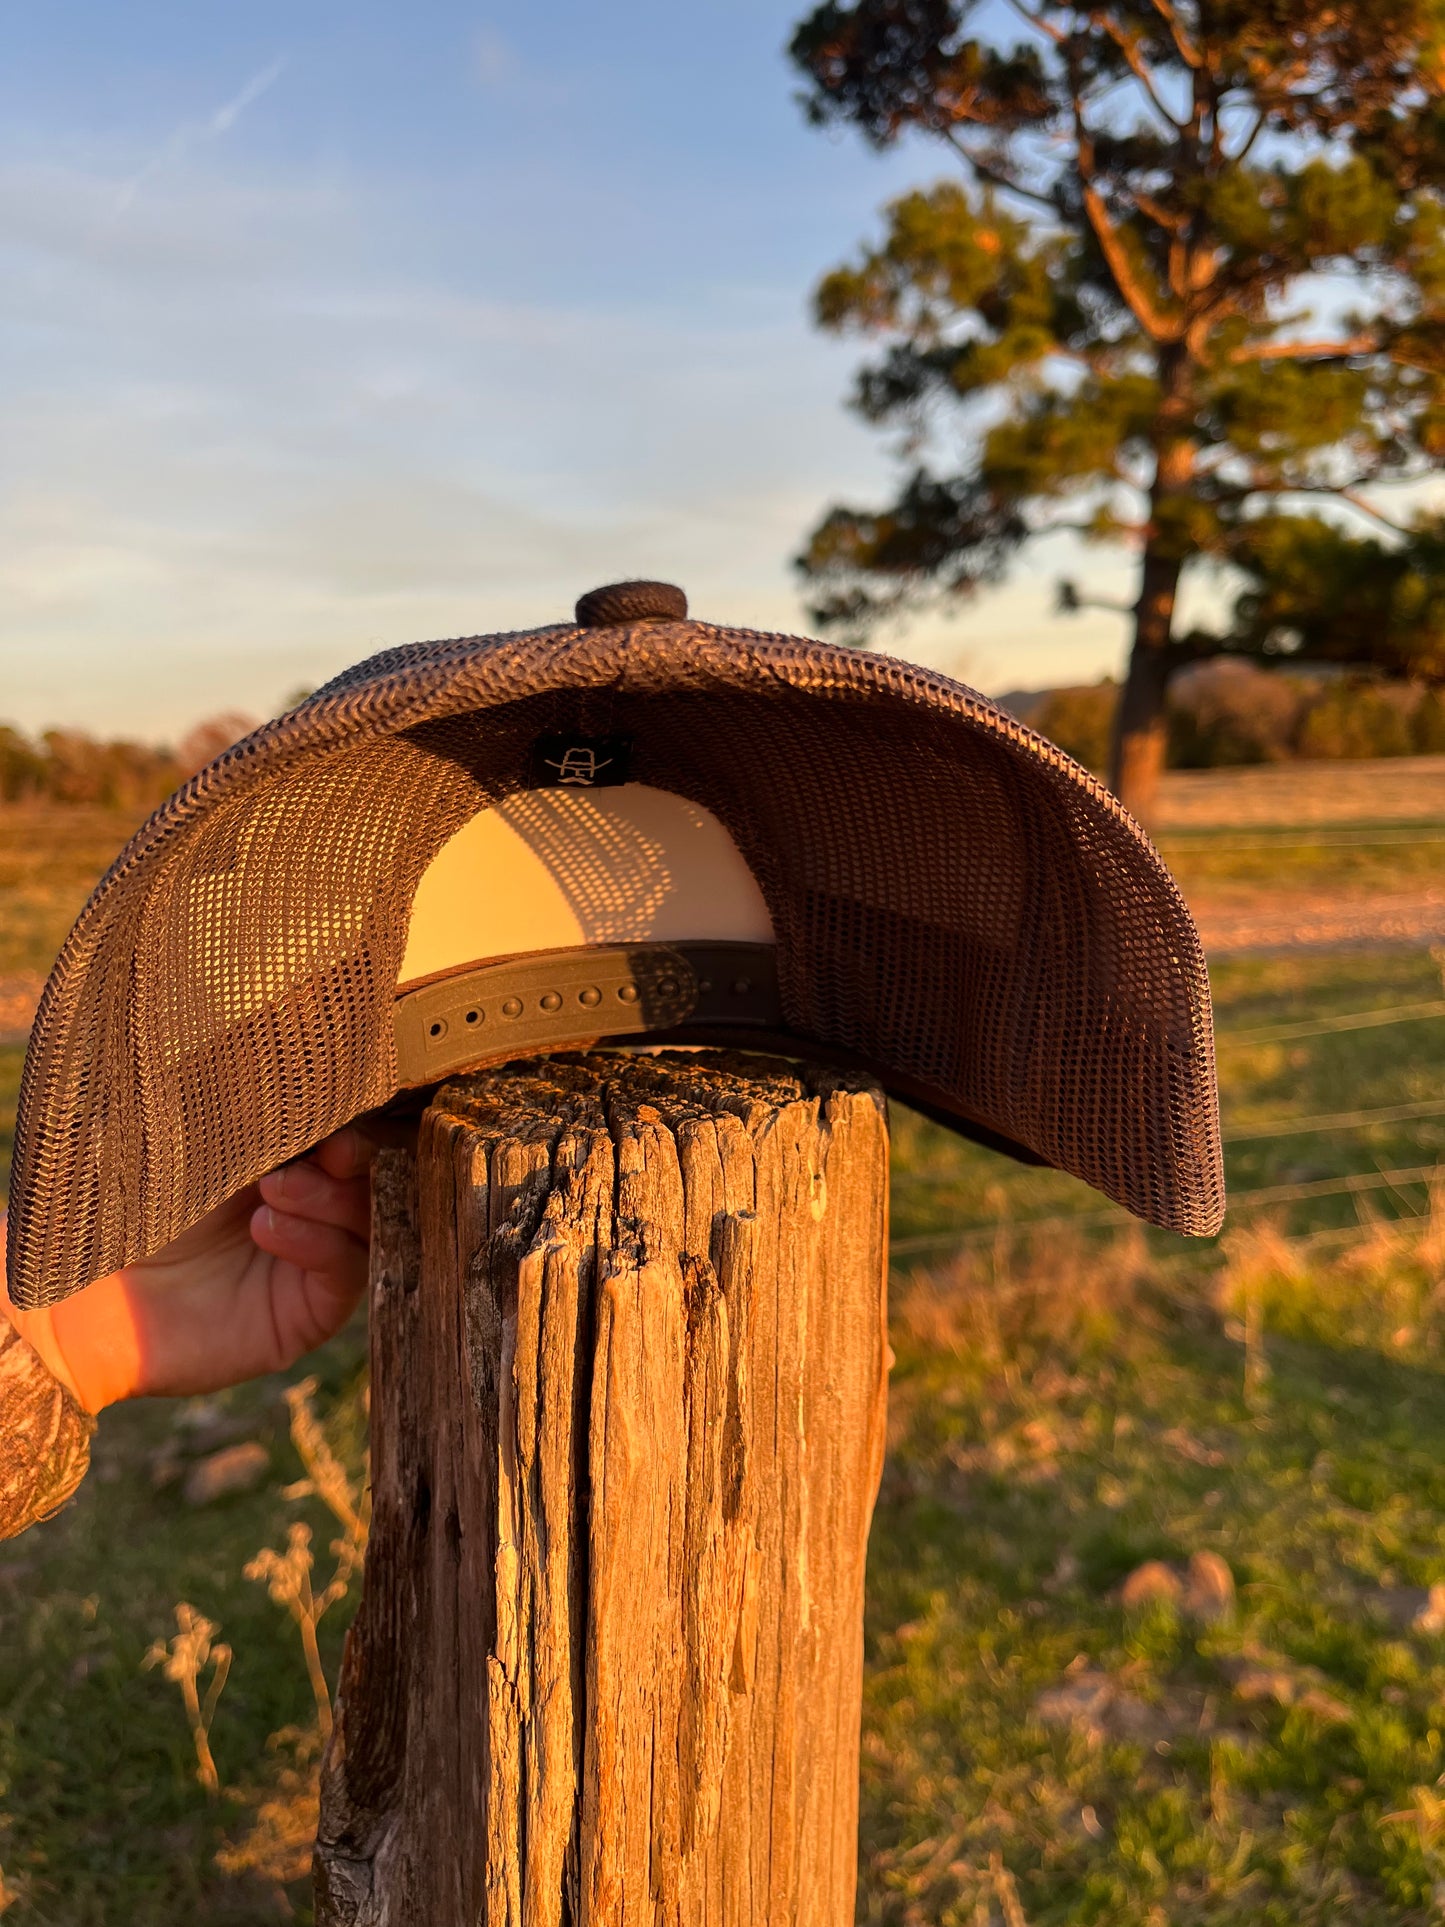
(38, 1330)
(86, 1342)
(95, 1332)
(89, 1342)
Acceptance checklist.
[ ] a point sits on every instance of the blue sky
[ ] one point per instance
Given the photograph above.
(324, 327)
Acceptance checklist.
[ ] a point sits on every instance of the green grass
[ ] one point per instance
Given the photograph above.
(1327, 861)
(1039, 1453)
(1066, 1404)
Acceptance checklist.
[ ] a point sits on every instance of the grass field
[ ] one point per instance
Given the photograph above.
(1072, 1398)
(1408, 789)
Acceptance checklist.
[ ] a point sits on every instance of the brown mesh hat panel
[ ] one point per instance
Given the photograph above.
(954, 902)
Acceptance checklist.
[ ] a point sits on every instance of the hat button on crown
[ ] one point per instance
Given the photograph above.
(631, 602)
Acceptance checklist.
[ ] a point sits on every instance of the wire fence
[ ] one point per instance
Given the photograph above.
(1259, 1197)
(1336, 1121)
(1330, 1026)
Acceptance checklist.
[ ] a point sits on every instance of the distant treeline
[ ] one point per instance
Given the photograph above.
(1222, 712)
(68, 766)
(1227, 711)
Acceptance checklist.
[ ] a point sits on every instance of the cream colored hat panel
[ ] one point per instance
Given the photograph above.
(552, 869)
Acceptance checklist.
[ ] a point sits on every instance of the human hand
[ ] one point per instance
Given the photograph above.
(268, 1275)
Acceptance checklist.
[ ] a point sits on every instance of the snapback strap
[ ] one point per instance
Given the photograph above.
(556, 999)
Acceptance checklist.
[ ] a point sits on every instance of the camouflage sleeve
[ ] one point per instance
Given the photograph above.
(44, 1437)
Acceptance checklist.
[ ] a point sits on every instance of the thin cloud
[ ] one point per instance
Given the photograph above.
(498, 68)
(191, 133)
(496, 63)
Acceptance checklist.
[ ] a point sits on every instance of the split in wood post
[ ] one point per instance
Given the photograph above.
(629, 1380)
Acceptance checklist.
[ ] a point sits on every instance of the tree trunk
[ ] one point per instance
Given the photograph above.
(628, 1387)
(1136, 759)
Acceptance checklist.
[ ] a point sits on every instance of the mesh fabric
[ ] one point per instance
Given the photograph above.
(954, 900)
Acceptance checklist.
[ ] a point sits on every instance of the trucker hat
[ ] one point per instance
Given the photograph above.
(630, 829)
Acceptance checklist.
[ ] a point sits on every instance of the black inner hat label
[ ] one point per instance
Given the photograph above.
(580, 762)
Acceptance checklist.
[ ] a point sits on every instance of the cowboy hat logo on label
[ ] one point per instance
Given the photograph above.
(580, 762)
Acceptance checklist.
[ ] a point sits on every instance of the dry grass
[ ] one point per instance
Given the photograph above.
(1381, 1288)
(1009, 1307)
(1400, 789)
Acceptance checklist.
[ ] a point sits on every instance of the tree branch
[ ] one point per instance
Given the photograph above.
(1368, 508)
(1160, 215)
(1188, 52)
(986, 171)
(1347, 492)
(1150, 317)
(1131, 289)
(1364, 344)
(1137, 66)
(1037, 22)
(1250, 139)
(1122, 531)
(1069, 600)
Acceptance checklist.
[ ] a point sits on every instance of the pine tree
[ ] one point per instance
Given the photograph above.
(1317, 593)
(1192, 272)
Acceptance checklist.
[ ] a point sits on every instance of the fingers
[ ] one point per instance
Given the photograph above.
(306, 1190)
(319, 1276)
(308, 1244)
(347, 1153)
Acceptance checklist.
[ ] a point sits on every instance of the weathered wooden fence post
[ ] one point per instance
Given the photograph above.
(628, 1391)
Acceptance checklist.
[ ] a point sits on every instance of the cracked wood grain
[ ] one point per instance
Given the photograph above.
(629, 1374)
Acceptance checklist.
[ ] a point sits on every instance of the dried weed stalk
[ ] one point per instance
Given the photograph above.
(287, 1575)
(9, 1896)
(276, 1846)
(1006, 1892)
(183, 1661)
(326, 1475)
(1425, 1817)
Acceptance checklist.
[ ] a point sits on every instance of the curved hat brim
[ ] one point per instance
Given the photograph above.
(955, 902)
